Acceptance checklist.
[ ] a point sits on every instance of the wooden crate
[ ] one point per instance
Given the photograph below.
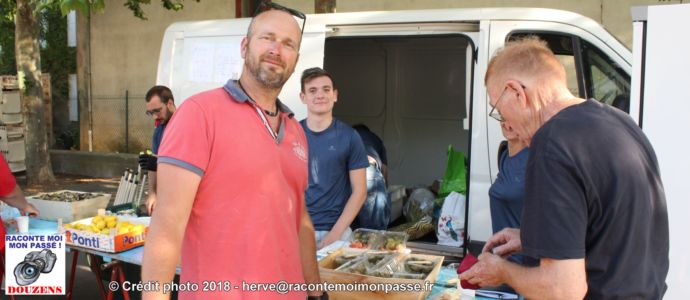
(69, 211)
(329, 275)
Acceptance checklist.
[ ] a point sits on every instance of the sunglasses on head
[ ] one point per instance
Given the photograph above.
(268, 5)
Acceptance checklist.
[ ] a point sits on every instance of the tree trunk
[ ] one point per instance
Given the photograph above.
(38, 167)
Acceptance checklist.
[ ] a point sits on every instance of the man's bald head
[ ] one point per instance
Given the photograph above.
(528, 59)
(278, 16)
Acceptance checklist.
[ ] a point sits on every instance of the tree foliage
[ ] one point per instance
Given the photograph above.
(98, 6)
(7, 60)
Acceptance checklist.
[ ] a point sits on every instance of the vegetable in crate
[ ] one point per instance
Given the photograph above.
(362, 239)
(417, 265)
(392, 243)
(344, 258)
(375, 258)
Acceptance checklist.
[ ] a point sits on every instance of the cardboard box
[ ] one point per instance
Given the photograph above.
(112, 242)
(330, 275)
(69, 211)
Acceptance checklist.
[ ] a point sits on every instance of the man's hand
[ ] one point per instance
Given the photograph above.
(504, 242)
(328, 239)
(148, 161)
(150, 204)
(486, 272)
(29, 210)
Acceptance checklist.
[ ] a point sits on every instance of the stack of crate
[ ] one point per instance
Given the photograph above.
(11, 126)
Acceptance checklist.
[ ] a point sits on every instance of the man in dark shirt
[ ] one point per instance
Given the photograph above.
(160, 105)
(594, 211)
(376, 211)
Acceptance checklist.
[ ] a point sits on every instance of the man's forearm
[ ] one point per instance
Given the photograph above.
(310, 267)
(152, 183)
(160, 262)
(164, 240)
(545, 282)
(352, 207)
(15, 198)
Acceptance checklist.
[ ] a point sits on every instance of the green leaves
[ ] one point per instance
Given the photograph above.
(69, 5)
(135, 7)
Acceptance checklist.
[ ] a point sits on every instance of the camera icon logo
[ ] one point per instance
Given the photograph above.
(35, 263)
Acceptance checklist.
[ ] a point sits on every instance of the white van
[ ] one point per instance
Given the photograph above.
(416, 78)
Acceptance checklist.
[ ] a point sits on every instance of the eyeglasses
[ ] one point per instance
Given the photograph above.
(268, 5)
(496, 114)
(152, 112)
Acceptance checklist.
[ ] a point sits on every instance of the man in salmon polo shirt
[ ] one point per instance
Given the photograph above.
(232, 171)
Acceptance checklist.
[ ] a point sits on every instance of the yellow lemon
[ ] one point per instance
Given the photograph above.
(111, 223)
(67, 226)
(96, 219)
(110, 218)
(122, 230)
(137, 228)
(105, 231)
(100, 225)
(124, 224)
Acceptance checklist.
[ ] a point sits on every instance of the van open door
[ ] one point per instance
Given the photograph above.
(660, 82)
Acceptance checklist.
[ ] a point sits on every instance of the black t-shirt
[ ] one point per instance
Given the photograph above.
(593, 191)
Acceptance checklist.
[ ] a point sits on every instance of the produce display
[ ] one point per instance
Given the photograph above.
(345, 258)
(103, 224)
(67, 196)
(363, 238)
(392, 241)
(384, 265)
(418, 265)
(356, 266)
(375, 257)
(107, 233)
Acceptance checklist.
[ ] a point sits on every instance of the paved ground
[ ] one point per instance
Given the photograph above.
(85, 287)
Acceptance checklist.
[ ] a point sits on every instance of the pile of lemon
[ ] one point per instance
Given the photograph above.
(103, 224)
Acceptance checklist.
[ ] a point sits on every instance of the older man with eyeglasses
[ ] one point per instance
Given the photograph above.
(233, 171)
(594, 209)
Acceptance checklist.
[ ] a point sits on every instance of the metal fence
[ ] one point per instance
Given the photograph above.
(120, 124)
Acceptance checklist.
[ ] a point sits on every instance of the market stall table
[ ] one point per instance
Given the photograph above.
(135, 256)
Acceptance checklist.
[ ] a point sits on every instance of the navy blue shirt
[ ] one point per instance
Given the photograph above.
(333, 153)
(157, 138)
(507, 196)
(593, 191)
(507, 193)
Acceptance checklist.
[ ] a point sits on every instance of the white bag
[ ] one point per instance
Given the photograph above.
(451, 223)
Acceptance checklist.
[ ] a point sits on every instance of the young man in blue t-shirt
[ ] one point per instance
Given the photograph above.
(337, 161)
